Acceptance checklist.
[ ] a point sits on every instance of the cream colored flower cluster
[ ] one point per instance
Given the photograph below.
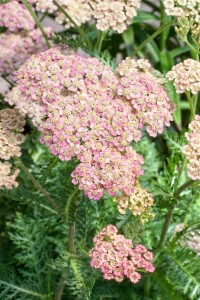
(7, 176)
(187, 13)
(186, 76)
(192, 150)
(11, 126)
(139, 203)
(115, 14)
(78, 11)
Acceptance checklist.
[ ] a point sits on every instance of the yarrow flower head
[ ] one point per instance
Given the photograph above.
(192, 150)
(146, 93)
(115, 14)
(15, 16)
(7, 176)
(139, 203)
(186, 76)
(118, 258)
(16, 48)
(11, 125)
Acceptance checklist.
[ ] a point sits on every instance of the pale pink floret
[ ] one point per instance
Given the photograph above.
(118, 258)
(15, 16)
(192, 150)
(7, 176)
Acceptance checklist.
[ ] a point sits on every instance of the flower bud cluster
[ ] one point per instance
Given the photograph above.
(192, 150)
(186, 76)
(15, 16)
(7, 176)
(118, 258)
(16, 48)
(138, 203)
(85, 117)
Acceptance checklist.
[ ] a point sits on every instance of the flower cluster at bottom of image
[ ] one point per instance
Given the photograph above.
(118, 258)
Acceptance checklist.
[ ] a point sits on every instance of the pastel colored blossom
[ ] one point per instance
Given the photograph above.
(139, 203)
(115, 14)
(146, 94)
(15, 16)
(192, 150)
(78, 11)
(186, 76)
(31, 109)
(17, 48)
(108, 171)
(7, 176)
(118, 258)
(11, 126)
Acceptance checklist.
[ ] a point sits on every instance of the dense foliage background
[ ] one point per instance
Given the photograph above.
(44, 247)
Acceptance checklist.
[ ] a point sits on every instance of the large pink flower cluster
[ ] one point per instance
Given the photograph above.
(16, 48)
(118, 258)
(85, 117)
(192, 150)
(15, 16)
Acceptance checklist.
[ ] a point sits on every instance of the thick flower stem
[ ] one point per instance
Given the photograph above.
(166, 224)
(80, 31)
(36, 183)
(153, 36)
(37, 21)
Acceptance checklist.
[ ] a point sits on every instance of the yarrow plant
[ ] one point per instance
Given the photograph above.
(99, 125)
(118, 258)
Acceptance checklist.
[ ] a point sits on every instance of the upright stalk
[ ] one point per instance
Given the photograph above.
(36, 183)
(37, 21)
(71, 238)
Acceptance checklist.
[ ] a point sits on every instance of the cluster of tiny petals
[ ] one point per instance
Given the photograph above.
(192, 150)
(139, 203)
(31, 109)
(11, 125)
(182, 8)
(146, 94)
(7, 176)
(118, 258)
(108, 171)
(16, 48)
(115, 14)
(78, 11)
(15, 16)
(186, 76)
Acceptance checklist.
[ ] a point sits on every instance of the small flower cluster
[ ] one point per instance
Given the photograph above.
(118, 258)
(138, 203)
(192, 150)
(146, 94)
(16, 48)
(115, 14)
(15, 16)
(7, 176)
(11, 126)
(31, 109)
(187, 13)
(186, 76)
(86, 118)
(79, 12)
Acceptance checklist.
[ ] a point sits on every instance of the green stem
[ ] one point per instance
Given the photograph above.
(71, 237)
(37, 21)
(80, 31)
(99, 42)
(185, 186)
(165, 228)
(192, 102)
(150, 38)
(36, 183)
